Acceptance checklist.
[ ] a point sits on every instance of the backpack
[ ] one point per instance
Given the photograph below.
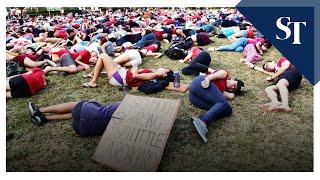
(13, 68)
(175, 53)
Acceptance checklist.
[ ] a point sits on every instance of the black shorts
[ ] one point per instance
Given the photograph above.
(19, 87)
(67, 60)
(76, 113)
(294, 78)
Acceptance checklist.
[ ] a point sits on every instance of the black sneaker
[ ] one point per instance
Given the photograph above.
(33, 109)
(37, 117)
(40, 119)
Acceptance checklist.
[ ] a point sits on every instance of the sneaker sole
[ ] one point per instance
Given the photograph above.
(198, 130)
(36, 120)
(31, 111)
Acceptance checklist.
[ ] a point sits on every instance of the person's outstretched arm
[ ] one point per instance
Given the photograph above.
(257, 68)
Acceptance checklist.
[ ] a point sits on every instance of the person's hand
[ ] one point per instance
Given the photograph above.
(205, 83)
(269, 78)
(86, 66)
(161, 72)
(181, 61)
(250, 65)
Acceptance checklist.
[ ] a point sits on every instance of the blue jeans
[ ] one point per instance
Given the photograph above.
(145, 38)
(237, 46)
(210, 99)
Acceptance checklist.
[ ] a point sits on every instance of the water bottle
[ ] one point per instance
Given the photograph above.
(176, 82)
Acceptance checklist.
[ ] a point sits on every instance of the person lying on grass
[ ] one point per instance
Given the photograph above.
(26, 84)
(120, 76)
(151, 51)
(241, 43)
(31, 58)
(286, 78)
(211, 93)
(73, 62)
(199, 64)
(89, 118)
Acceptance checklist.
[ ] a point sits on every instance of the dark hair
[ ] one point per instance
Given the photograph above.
(264, 66)
(148, 31)
(169, 37)
(268, 43)
(240, 86)
(103, 40)
(32, 49)
(222, 36)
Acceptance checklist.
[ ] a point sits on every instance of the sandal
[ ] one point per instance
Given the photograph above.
(87, 85)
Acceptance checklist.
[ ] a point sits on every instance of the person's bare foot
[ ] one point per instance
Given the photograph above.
(282, 108)
(90, 85)
(212, 49)
(242, 60)
(269, 106)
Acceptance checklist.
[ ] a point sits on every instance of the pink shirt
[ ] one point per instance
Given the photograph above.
(255, 40)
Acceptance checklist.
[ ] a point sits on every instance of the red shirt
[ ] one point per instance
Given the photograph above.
(281, 60)
(250, 33)
(169, 21)
(61, 34)
(151, 48)
(20, 58)
(195, 52)
(159, 34)
(221, 84)
(61, 52)
(135, 82)
(84, 54)
(76, 26)
(36, 80)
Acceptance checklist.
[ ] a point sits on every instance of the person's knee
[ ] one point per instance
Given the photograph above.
(225, 107)
(73, 69)
(269, 88)
(228, 108)
(282, 83)
(239, 49)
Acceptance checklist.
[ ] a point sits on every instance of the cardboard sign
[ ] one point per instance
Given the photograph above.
(137, 134)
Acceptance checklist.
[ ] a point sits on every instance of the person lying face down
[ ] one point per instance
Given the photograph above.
(210, 93)
(26, 84)
(89, 118)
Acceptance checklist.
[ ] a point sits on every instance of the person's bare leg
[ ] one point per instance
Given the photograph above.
(29, 63)
(80, 68)
(8, 94)
(284, 94)
(55, 58)
(273, 96)
(96, 72)
(70, 69)
(66, 116)
(122, 59)
(8, 85)
(59, 108)
(109, 65)
(128, 64)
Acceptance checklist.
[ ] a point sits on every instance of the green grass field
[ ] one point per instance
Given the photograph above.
(249, 140)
